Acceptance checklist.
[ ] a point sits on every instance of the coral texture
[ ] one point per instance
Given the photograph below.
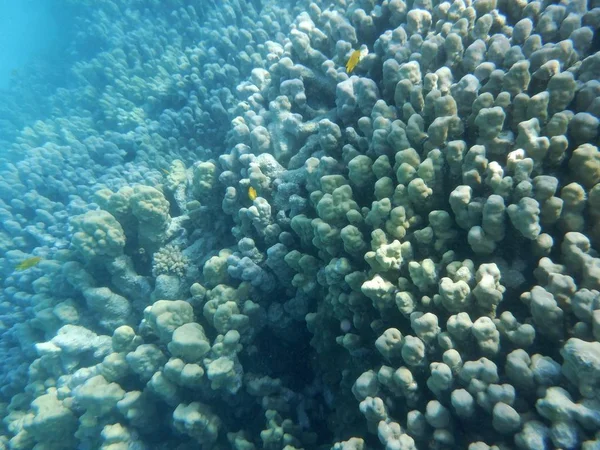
(303, 225)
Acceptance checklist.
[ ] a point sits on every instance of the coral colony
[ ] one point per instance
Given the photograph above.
(345, 225)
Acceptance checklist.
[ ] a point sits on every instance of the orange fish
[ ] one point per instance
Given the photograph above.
(252, 194)
(353, 61)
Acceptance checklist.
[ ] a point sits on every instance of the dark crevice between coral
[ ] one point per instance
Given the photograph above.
(292, 363)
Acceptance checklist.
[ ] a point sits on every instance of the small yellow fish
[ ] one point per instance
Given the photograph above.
(166, 172)
(28, 263)
(353, 61)
(252, 194)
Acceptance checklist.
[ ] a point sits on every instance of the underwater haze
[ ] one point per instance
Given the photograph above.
(29, 32)
(295, 224)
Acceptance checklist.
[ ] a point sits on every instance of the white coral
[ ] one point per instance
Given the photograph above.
(169, 260)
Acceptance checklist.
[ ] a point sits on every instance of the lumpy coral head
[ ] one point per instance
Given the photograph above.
(97, 234)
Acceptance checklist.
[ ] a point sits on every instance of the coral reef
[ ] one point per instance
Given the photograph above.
(314, 224)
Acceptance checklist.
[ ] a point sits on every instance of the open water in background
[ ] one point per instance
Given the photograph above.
(28, 31)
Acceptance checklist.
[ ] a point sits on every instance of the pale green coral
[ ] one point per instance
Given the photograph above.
(197, 421)
(204, 178)
(222, 366)
(151, 209)
(53, 422)
(97, 234)
(165, 316)
(189, 342)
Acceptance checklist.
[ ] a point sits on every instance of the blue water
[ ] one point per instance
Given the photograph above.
(284, 224)
(29, 32)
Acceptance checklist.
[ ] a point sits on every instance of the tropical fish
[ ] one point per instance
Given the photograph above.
(252, 194)
(28, 263)
(166, 172)
(353, 61)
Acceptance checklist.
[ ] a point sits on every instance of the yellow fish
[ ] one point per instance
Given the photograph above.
(28, 263)
(166, 172)
(252, 194)
(353, 61)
